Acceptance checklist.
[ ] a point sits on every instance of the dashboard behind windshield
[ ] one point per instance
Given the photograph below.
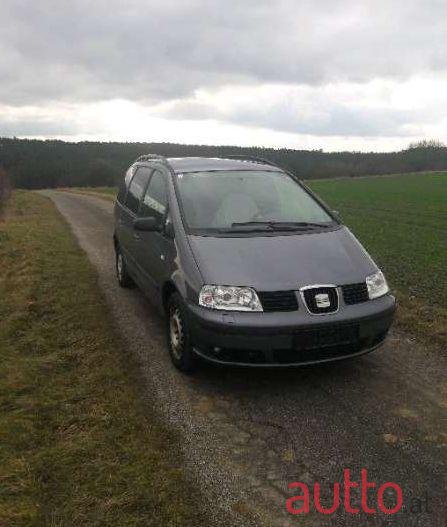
(219, 201)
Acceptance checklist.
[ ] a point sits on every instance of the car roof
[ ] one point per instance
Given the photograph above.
(199, 164)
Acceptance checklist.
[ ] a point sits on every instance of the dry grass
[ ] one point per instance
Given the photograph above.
(77, 446)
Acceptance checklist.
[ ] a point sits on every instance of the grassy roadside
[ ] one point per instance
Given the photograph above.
(77, 447)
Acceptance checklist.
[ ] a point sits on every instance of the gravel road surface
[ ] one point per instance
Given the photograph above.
(247, 434)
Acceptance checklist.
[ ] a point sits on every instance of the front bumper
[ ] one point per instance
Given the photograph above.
(292, 338)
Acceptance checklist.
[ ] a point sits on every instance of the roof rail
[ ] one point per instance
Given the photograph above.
(254, 159)
(152, 157)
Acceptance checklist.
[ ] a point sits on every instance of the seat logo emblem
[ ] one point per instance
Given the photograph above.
(322, 300)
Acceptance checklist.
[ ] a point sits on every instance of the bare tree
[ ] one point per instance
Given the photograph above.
(427, 144)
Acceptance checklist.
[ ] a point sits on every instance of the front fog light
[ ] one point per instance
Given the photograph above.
(376, 285)
(229, 298)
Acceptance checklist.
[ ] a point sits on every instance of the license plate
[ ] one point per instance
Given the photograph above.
(325, 337)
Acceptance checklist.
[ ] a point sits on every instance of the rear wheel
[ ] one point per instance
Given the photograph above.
(122, 274)
(179, 344)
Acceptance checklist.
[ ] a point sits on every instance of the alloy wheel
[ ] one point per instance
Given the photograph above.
(119, 266)
(176, 334)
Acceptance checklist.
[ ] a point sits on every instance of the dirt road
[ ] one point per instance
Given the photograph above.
(247, 434)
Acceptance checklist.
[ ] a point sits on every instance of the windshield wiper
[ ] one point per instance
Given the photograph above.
(274, 225)
(248, 226)
(300, 224)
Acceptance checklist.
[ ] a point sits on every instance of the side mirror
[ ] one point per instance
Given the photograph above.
(148, 224)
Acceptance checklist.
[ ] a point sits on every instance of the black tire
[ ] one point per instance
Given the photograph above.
(178, 336)
(122, 274)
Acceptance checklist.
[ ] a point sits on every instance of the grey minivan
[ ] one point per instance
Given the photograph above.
(249, 267)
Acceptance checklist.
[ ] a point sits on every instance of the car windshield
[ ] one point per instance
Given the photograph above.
(246, 201)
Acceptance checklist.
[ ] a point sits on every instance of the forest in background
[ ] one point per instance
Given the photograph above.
(33, 163)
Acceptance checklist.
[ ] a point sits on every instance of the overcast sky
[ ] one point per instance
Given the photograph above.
(331, 74)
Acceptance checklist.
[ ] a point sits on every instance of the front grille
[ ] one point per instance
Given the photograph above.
(355, 293)
(314, 295)
(278, 300)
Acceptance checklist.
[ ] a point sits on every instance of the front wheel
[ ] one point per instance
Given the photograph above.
(122, 274)
(180, 348)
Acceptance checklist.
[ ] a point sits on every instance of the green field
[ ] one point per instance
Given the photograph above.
(402, 221)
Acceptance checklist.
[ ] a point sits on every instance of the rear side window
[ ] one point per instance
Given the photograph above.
(125, 185)
(155, 200)
(137, 187)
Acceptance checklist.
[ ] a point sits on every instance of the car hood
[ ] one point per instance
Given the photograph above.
(270, 263)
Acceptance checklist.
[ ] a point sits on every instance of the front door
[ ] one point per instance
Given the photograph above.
(127, 215)
(153, 248)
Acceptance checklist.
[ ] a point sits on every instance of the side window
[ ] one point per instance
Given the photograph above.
(155, 201)
(125, 185)
(137, 187)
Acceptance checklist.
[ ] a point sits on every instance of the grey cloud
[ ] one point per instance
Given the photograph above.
(336, 120)
(313, 117)
(164, 50)
(34, 127)
(190, 109)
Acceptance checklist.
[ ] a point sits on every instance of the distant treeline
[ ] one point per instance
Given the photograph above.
(51, 163)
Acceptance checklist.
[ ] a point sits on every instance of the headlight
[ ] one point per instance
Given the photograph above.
(229, 298)
(376, 285)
